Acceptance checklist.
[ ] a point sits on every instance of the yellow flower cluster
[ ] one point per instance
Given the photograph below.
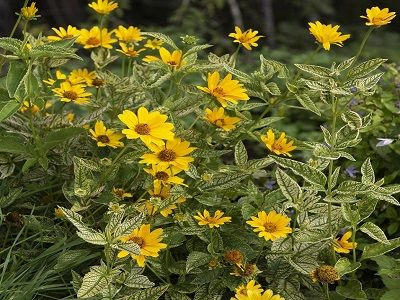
(169, 154)
(254, 291)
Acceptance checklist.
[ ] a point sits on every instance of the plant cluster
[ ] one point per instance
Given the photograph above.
(138, 182)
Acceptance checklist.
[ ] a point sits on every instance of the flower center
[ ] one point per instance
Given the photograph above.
(138, 240)
(71, 95)
(119, 192)
(167, 155)
(219, 122)
(132, 53)
(161, 175)
(269, 227)
(212, 220)
(172, 63)
(92, 41)
(218, 92)
(142, 129)
(277, 146)
(103, 138)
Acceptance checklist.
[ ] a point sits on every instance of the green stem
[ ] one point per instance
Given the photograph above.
(364, 41)
(326, 288)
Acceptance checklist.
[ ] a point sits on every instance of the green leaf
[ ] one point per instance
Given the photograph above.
(12, 144)
(96, 280)
(129, 246)
(350, 215)
(240, 154)
(15, 76)
(266, 121)
(289, 187)
(196, 49)
(56, 137)
(374, 232)
(366, 67)
(354, 187)
(49, 50)
(260, 163)
(307, 103)
(9, 108)
(309, 173)
(378, 249)
(304, 264)
(368, 175)
(345, 64)
(368, 82)
(11, 44)
(222, 181)
(352, 119)
(152, 293)
(315, 70)
(128, 225)
(352, 290)
(278, 67)
(197, 259)
(345, 266)
(138, 281)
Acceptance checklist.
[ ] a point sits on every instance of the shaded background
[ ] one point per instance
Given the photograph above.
(283, 22)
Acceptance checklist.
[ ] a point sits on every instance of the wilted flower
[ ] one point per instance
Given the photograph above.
(325, 274)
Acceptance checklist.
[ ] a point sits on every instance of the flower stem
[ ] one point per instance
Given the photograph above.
(364, 41)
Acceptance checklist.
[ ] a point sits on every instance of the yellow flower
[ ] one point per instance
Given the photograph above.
(253, 291)
(120, 192)
(27, 106)
(172, 153)
(106, 137)
(103, 7)
(271, 226)
(174, 59)
(70, 117)
(247, 38)
(218, 118)
(58, 213)
(148, 241)
(225, 90)
(59, 76)
(82, 75)
(378, 17)
(153, 44)
(129, 50)
(29, 12)
(150, 58)
(75, 93)
(150, 127)
(165, 174)
(95, 38)
(327, 35)
(128, 35)
(343, 245)
(279, 146)
(212, 221)
(162, 192)
(63, 34)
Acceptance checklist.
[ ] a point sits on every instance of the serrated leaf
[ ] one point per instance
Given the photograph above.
(11, 44)
(96, 280)
(272, 88)
(15, 76)
(222, 181)
(196, 259)
(378, 249)
(309, 173)
(368, 174)
(345, 266)
(240, 154)
(307, 103)
(315, 70)
(58, 136)
(316, 85)
(152, 293)
(256, 164)
(266, 121)
(366, 67)
(352, 290)
(374, 232)
(196, 49)
(345, 64)
(138, 281)
(289, 187)
(369, 82)
(352, 119)
(278, 67)
(304, 264)
(128, 225)
(350, 215)
(49, 50)
(8, 109)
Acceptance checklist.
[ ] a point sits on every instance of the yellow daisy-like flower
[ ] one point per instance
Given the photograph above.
(165, 174)
(75, 93)
(95, 38)
(82, 75)
(174, 59)
(129, 50)
(378, 17)
(70, 117)
(218, 118)
(150, 58)
(150, 127)
(59, 76)
(120, 192)
(343, 245)
(153, 44)
(26, 106)
(247, 38)
(212, 221)
(29, 12)
(148, 241)
(225, 90)
(279, 146)
(103, 7)
(173, 153)
(253, 291)
(63, 33)
(327, 35)
(106, 137)
(271, 226)
(128, 35)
